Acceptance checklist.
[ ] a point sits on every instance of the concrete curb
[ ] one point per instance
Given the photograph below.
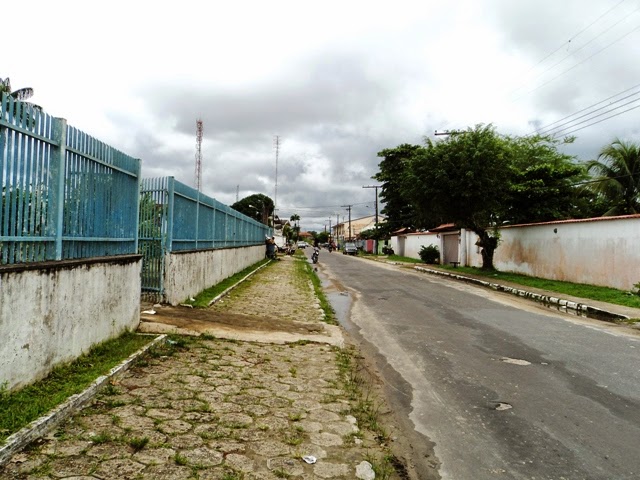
(561, 304)
(46, 423)
(226, 292)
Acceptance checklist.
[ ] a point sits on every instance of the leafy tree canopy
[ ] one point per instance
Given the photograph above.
(393, 168)
(479, 179)
(256, 206)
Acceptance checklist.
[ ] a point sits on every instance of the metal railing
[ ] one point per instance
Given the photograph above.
(175, 217)
(65, 195)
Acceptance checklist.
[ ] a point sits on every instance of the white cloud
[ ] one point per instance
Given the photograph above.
(338, 81)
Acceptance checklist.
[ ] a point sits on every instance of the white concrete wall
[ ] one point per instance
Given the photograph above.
(189, 273)
(409, 245)
(53, 312)
(601, 251)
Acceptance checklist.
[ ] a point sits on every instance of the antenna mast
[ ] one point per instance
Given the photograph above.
(198, 154)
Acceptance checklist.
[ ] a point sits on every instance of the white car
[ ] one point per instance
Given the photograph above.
(302, 244)
(349, 249)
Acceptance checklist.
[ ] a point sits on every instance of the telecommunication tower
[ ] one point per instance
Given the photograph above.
(198, 154)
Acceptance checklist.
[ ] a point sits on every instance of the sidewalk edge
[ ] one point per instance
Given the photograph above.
(39, 427)
(580, 308)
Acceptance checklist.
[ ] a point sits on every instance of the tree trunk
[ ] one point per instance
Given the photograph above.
(488, 245)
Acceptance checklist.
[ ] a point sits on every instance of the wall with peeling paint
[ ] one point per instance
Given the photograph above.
(598, 251)
(188, 273)
(602, 251)
(52, 312)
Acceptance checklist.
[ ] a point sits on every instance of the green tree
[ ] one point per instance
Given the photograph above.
(617, 171)
(287, 233)
(256, 206)
(463, 179)
(397, 208)
(296, 228)
(543, 182)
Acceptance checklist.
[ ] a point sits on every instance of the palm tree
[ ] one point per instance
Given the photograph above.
(296, 218)
(22, 94)
(617, 172)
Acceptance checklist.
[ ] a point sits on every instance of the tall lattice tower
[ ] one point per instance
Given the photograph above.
(198, 154)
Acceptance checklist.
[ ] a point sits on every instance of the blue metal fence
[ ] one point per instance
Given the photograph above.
(65, 194)
(175, 217)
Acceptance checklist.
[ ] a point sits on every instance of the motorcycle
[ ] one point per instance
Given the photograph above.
(315, 254)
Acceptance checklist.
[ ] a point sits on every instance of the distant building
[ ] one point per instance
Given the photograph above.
(342, 232)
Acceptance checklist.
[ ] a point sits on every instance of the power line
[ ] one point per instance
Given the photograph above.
(578, 64)
(571, 39)
(600, 121)
(547, 127)
(594, 116)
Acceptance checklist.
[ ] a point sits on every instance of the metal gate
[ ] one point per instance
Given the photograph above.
(152, 237)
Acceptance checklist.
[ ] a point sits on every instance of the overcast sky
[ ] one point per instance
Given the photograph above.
(337, 81)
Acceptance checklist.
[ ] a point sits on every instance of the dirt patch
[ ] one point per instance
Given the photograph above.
(203, 320)
(274, 305)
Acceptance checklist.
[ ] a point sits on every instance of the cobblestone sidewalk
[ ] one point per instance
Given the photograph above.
(208, 408)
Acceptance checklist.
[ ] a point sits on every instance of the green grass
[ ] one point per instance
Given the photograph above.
(398, 258)
(203, 298)
(304, 268)
(19, 408)
(592, 292)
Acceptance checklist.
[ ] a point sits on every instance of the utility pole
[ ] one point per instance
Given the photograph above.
(275, 197)
(449, 132)
(376, 239)
(348, 207)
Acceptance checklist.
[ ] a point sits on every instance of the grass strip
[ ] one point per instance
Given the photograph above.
(592, 292)
(19, 408)
(303, 267)
(367, 407)
(398, 258)
(305, 270)
(203, 299)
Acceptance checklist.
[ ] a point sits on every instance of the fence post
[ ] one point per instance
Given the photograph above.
(136, 232)
(172, 194)
(57, 169)
(197, 216)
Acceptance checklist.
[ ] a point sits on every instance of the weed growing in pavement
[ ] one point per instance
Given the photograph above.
(19, 408)
(294, 436)
(280, 473)
(382, 467)
(295, 417)
(231, 474)
(180, 459)
(364, 406)
(102, 437)
(138, 443)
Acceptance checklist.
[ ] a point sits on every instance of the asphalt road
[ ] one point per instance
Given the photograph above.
(491, 386)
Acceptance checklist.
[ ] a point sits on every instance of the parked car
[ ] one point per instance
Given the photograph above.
(349, 249)
(302, 244)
